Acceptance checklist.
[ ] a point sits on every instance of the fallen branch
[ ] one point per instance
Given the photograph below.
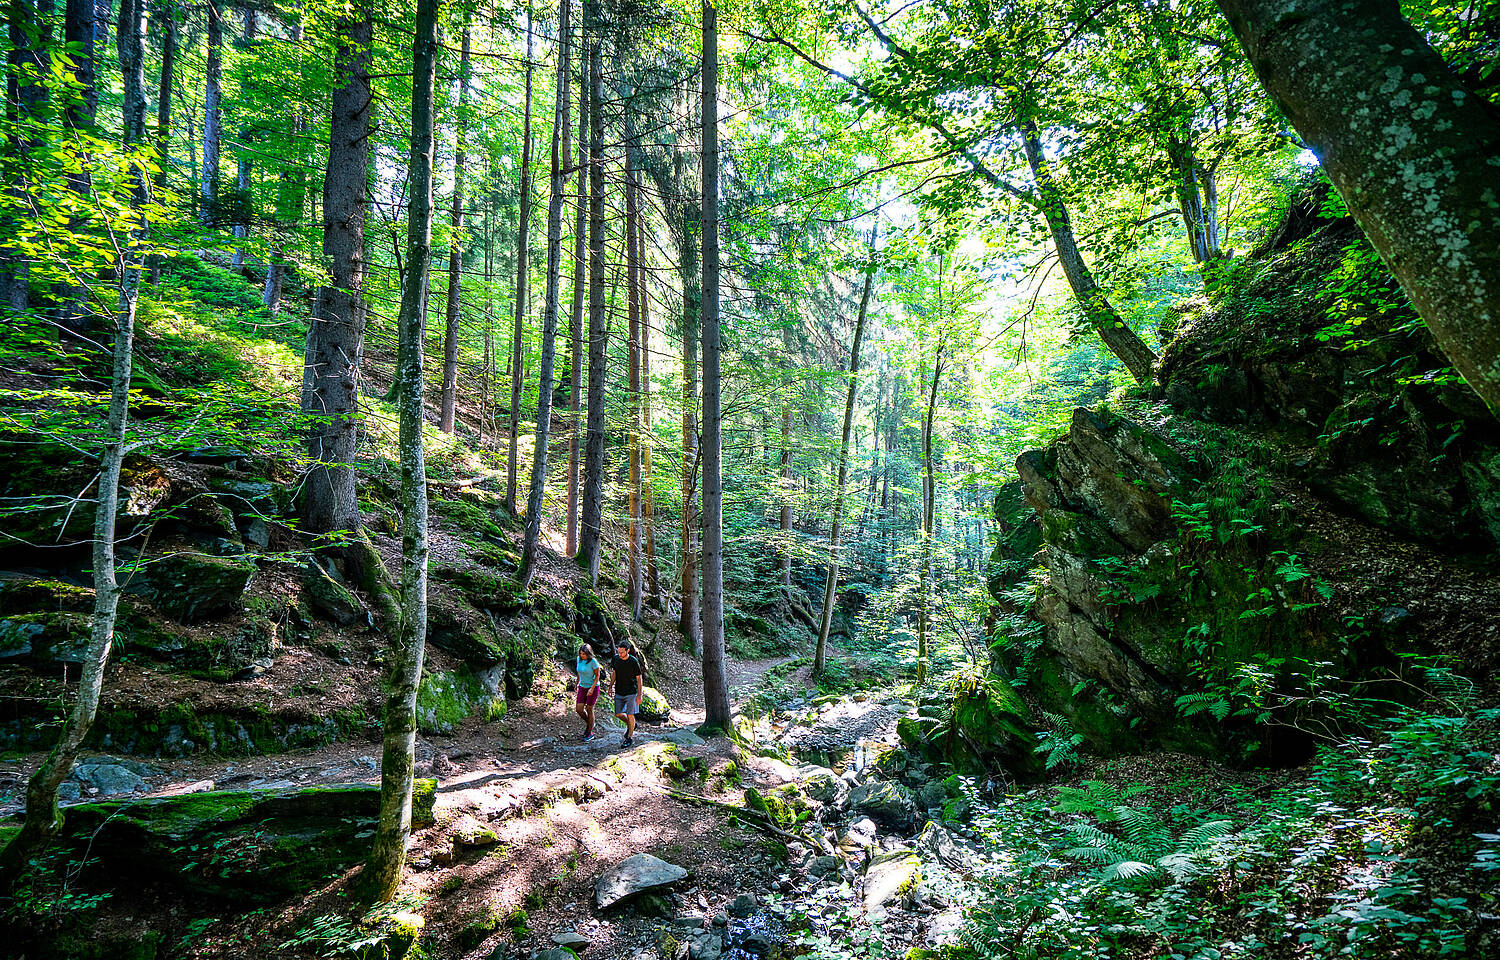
(755, 817)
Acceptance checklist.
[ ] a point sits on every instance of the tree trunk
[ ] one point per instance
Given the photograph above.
(76, 305)
(43, 819)
(557, 185)
(830, 588)
(335, 338)
(382, 874)
(786, 479)
(523, 241)
(455, 248)
(30, 37)
(633, 353)
(593, 485)
(168, 11)
(1101, 314)
(929, 501)
(1411, 151)
(715, 681)
(648, 511)
(242, 172)
(208, 185)
(580, 264)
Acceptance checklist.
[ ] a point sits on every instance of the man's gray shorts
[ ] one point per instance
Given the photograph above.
(626, 704)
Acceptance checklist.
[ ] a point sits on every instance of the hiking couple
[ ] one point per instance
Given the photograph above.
(629, 678)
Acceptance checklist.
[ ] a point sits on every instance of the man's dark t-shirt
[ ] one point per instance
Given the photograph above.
(627, 676)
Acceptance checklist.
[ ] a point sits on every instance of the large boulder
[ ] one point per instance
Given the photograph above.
(245, 846)
(889, 877)
(984, 726)
(634, 876)
(654, 706)
(887, 802)
(192, 587)
(330, 599)
(823, 785)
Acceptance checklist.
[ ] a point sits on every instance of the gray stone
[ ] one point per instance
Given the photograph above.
(743, 905)
(555, 953)
(889, 876)
(889, 803)
(705, 946)
(684, 737)
(572, 940)
(825, 866)
(935, 843)
(824, 786)
(110, 779)
(330, 599)
(633, 876)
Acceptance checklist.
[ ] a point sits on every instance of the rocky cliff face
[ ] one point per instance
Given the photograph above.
(1281, 511)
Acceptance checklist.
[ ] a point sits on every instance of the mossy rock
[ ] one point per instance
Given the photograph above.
(466, 633)
(785, 807)
(654, 705)
(447, 698)
(484, 589)
(470, 520)
(254, 846)
(49, 637)
(993, 722)
(192, 587)
(330, 599)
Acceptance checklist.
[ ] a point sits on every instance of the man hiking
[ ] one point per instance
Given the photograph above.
(629, 678)
(590, 674)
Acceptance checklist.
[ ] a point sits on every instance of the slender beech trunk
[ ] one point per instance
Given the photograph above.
(335, 338)
(208, 183)
(1097, 308)
(382, 875)
(242, 169)
(523, 249)
(648, 511)
(43, 819)
(786, 478)
(580, 264)
(715, 683)
(557, 185)
(692, 309)
(830, 588)
(1412, 152)
(593, 472)
(633, 353)
(455, 248)
(929, 501)
(30, 34)
(168, 11)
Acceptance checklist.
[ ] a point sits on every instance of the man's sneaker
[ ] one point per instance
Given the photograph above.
(627, 741)
(587, 737)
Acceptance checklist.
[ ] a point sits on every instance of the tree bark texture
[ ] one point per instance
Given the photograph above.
(382, 875)
(580, 265)
(455, 249)
(335, 338)
(633, 354)
(545, 378)
(929, 501)
(523, 242)
(593, 454)
(715, 681)
(1414, 154)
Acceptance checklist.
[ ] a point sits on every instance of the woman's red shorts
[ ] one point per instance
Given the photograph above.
(587, 696)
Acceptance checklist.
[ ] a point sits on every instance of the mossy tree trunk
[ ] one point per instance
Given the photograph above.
(382, 875)
(523, 267)
(1414, 154)
(593, 453)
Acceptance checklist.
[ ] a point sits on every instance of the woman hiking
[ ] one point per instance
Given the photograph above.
(590, 673)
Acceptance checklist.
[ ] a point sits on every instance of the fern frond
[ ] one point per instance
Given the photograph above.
(1130, 870)
(1090, 854)
(1205, 833)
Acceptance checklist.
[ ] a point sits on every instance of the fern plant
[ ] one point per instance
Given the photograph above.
(1140, 845)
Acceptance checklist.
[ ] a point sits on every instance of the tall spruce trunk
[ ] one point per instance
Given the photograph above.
(1097, 308)
(43, 818)
(76, 308)
(785, 524)
(633, 353)
(929, 501)
(30, 34)
(382, 874)
(648, 510)
(335, 337)
(1412, 152)
(689, 621)
(593, 454)
(830, 588)
(715, 681)
(208, 182)
(575, 321)
(556, 187)
(523, 250)
(455, 248)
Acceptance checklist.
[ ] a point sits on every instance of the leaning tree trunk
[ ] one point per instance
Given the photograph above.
(580, 264)
(455, 250)
(335, 338)
(557, 184)
(523, 242)
(593, 472)
(1100, 313)
(830, 588)
(208, 185)
(382, 874)
(715, 682)
(43, 819)
(1412, 152)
